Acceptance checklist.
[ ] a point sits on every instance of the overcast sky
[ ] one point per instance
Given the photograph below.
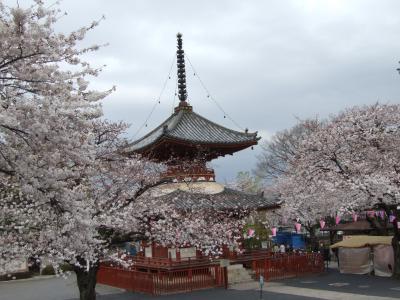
(265, 62)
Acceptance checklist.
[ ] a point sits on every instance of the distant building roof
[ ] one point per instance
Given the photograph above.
(361, 225)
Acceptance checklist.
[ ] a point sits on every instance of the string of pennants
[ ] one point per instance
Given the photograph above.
(370, 214)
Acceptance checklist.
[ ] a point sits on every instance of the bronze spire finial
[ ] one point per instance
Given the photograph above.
(180, 56)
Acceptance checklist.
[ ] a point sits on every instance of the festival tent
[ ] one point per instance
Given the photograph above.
(355, 255)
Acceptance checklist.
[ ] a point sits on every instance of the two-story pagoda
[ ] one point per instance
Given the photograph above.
(185, 142)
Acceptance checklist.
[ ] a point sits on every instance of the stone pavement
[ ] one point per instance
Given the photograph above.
(329, 285)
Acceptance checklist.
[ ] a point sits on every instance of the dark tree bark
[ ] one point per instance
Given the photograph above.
(311, 228)
(86, 280)
(395, 244)
(396, 250)
(389, 209)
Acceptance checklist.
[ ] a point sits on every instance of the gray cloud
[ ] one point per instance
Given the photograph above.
(266, 62)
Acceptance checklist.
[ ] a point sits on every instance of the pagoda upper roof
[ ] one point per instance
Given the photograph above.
(186, 135)
(187, 127)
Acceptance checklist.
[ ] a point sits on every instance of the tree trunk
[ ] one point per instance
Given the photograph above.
(313, 238)
(396, 252)
(86, 280)
(395, 244)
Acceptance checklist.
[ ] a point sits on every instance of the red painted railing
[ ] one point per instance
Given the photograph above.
(280, 266)
(140, 262)
(162, 282)
(126, 279)
(188, 280)
(165, 276)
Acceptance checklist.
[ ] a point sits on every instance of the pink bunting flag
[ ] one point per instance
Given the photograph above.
(251, 232)
(391, 218)
(273, 230)
(355, 217)
(370, 213)
(297, 226)
(337, 220)
(382, 214)
(322, 224)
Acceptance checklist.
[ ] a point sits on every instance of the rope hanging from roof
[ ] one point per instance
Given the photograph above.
(158, 100)
(209, 96)
(180, 88)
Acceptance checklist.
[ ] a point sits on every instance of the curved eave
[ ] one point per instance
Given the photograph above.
(188, 128)
(163, 140)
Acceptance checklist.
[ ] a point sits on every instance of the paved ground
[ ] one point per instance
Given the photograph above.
(330, 285)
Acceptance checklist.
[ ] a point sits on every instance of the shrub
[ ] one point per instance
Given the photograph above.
(66, 267)
(48, 270)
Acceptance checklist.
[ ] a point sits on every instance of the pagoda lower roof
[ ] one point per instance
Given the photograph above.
(211, 195)
(185, 127)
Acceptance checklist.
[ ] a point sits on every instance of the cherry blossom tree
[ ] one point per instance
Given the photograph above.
(277, 153)
(68, 191)
(245, 182)
(275, 162)
(350, 162)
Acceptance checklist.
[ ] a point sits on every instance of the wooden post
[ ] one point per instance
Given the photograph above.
(254, 266)
(226, 278)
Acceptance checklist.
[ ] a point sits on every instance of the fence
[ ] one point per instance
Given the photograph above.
(126, 279)
(168, 263)
(162, 281)
(195, 275)
(282, 266)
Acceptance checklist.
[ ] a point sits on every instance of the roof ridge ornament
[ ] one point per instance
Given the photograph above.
(182, 93)
(180, 59)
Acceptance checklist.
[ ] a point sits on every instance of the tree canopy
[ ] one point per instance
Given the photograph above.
(68, 191)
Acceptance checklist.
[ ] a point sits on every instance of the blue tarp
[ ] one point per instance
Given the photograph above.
(130, 249)
(294, 240)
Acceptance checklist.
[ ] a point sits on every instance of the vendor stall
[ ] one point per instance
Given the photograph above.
(363, 253)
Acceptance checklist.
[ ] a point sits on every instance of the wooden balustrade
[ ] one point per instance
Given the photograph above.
(162, 282)
(126, 279)
(159, 276)
(141, 262)
(280, 266)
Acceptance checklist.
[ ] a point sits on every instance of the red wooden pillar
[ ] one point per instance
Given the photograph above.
(267, 263)
(255, 269)
(190, 275)
(225, 277)
(217, 275)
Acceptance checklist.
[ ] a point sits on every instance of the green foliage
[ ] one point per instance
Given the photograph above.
(66, 267)
(261, 234)
(48, 270)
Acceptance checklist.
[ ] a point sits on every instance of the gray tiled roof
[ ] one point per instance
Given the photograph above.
(227, 199)
(188, 126)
